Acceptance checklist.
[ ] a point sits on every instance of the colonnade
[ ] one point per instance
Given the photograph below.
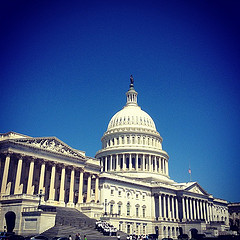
(174, 208)
(168, 207)
(134, 161)
(197, 209)
(59, 183)
(132, 139)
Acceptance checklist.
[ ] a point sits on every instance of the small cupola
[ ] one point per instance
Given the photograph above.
(131, 94)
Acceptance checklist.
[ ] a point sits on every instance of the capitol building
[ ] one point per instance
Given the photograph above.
(126, 184)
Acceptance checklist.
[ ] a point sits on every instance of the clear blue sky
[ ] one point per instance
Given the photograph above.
(65, 68)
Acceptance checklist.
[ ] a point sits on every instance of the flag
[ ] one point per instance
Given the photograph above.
(189, 171)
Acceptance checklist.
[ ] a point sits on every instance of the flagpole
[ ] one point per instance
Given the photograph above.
(190, 173)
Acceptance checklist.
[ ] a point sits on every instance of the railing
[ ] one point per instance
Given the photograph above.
(30, 209)
(111, 215)
(39, 208)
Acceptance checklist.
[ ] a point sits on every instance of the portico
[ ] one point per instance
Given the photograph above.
(65, 178)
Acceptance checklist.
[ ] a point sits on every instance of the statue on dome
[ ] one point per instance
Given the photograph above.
(132, 81)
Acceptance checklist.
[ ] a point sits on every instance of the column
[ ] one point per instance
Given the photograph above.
(130, 161)
(80, 189)
(62, 186)
(89, 189)
(106, 160)
(143, 162)
(160, 206)
(52, 184)
(194, 210)
(183, 209)
(164, 166)
(147, 163)
(71, 189)
(151, 163)
(164, 206)
(201, 210)
(204, 211)
(136, 162)
(5, 175)
(30, 187)
(41, 180)
(210, 211)
(111, 163)
(173, 210)
(155, 163)
(117, 163)
(169, 209)
(177, 215)
(166, 163)
(101, 164)
(198, 214)
(187, 208)
(153, 208)
(191, 210)
(124, 163)
(96, 188)
(18, 189)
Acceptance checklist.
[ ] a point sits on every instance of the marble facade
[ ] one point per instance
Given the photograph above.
(127, 183)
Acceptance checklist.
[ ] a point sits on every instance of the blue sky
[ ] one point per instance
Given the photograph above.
(65, 68)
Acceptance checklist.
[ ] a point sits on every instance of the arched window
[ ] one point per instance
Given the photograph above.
(119, 209)
(137, 211)
(144, 211)
(111, 208)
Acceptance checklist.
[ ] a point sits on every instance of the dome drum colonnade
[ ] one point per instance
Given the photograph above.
(131, 142)
(62, 184)
(134, 162)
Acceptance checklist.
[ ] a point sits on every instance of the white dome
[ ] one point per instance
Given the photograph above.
(131, 116)
(131, 146)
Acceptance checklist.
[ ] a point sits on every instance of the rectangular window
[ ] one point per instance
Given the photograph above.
(144, 229)
(112, 191)
(128, 229)
(119, 193)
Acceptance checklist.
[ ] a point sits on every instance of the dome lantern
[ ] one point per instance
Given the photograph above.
(131, 94)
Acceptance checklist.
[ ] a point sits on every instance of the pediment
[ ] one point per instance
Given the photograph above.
(51, 144)
(196, 188)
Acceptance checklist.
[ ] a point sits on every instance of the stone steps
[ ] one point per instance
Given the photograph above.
(71, 221)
